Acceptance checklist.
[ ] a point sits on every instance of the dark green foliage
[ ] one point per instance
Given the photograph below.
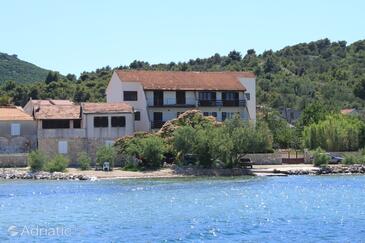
(320, 158)
(222, 144)
(313, 113)
(36, 160)
(12, 68)
(284, 135)
(329, 72)
(52, 77)
(58, 163)
(335, 133)
(84, 161)
(105, 154)
(149, 149)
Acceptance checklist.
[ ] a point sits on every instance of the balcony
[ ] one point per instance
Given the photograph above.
(172, 103)
(227, 103)
(157, 124)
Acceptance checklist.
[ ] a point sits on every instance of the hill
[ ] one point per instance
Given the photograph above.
(12, 68)
(329, 72)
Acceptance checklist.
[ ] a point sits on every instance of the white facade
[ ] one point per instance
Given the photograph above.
(114, 93)
(109, 132)
(245, 105)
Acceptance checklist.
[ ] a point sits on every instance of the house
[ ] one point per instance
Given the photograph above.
(290, 115)
(158, 96)
(64, 127)
(18, 131)
(350, 111)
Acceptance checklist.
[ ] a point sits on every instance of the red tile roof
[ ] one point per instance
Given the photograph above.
(168, 80)
(105, 107)
(57, 112)
(51, 102)
(13, 113)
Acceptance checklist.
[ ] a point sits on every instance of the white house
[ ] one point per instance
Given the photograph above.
(158, 96)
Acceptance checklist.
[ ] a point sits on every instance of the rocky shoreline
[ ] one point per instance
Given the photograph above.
(14, 175)
(328, 170)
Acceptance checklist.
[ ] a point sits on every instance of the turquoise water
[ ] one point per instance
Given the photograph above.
(280, 209)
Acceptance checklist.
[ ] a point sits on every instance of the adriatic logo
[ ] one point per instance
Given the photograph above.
(13, 231)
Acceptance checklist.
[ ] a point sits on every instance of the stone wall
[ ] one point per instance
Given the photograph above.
(266, 158)
(25, 142)
(13, 160)
(49, 146)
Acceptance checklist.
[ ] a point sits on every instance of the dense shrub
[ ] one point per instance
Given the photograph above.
(149, 149)
(59, 163)
(335, 133)
(36, 160)
(84, 161)
(222, 143)
(354, 159)
(105, 154)
(320, 157)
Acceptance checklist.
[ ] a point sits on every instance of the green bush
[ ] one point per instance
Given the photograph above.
(354, 159)
(84, 160)
(59, 163)
(224, 143)
(36, 160)
(335, 133)
(320, 157)
(105, 154)
(149, 149)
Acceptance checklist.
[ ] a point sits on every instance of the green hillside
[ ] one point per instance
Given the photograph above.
(332, 73)
(12, 68)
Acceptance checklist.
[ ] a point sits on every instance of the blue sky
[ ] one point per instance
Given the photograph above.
(76, 35)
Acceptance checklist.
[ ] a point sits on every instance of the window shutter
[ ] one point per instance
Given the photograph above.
(15, 129)
(62, 147)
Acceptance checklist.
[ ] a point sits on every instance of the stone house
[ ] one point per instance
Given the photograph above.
(159, 96)
(64, 127)
(18, 131)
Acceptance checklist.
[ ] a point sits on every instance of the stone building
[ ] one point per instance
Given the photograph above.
(64, 127)
(18, 131)
(18, 136)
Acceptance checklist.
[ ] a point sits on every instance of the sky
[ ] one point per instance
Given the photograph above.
(72, 36)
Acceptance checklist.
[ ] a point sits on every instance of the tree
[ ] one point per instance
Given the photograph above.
(359, 89)
(335, 133)
(52, 77)
(313, 113)
(235, 55)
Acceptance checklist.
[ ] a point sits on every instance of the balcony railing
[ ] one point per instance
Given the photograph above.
(172, 102)
(157, 124)
(222, 103)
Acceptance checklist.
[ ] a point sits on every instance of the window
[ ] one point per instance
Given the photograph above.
(231, 95)
(130, 95)
(180, 98)
(207, 96)
(15, 129)
(214, 114)
(247, 96)
(62, 147)
(137, 116)
(118, 121)
(101, 121)
(77, 123)
(55, 124)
